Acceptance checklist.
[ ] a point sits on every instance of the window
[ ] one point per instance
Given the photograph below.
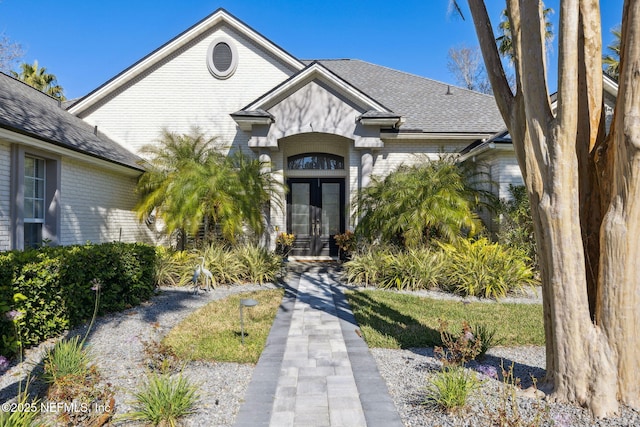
(222, 58)
(35, 192)
(316, 161)
(34, 200)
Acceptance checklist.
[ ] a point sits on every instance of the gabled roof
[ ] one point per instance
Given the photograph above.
(27, 111)
(317, 72)
(426, 105)
(218, 17)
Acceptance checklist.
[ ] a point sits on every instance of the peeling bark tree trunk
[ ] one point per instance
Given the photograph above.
(620, 238)
(584, 192)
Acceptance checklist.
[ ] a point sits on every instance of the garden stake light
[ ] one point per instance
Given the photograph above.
(245, 303)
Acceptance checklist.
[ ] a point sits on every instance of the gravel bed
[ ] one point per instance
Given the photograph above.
(407, 374)
(117, 343)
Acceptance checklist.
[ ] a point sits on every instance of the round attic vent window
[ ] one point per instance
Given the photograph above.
(222, 58)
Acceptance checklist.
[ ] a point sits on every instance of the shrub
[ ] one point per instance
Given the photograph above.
(516, 225)
(173, 268)
(481, 268)
(56, 285)
(164, 399)
(259, 265)
(411, 270)
(451, 387)
(125, 270)
(243, 263)
(366, 267)
(225, 266)
(402, 270)
(45, 304)
(456, 350)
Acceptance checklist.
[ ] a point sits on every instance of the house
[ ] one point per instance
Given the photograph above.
(61, 181)
(325, 126)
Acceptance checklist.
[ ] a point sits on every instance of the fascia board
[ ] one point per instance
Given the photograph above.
(433, 135)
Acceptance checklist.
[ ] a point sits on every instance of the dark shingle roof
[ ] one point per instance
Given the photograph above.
(427, 105)
(28, 111)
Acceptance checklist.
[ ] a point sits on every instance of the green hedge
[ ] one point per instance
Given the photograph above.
(57, 285)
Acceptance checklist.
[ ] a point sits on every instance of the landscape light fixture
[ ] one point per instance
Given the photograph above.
(248, 302)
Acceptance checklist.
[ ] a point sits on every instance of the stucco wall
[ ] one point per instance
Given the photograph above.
(180, 93)
(97, 206)
(314, 108)
(5, 196)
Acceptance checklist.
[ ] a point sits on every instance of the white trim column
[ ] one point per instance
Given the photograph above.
(268, 238)
(366, 167)
(264, 155)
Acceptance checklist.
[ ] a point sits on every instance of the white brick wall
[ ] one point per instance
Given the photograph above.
(507, 173)
(503, 170)
(180, 93)
(97, 206)
(400, 152)
(5, 196)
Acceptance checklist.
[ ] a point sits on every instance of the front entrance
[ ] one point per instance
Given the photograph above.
(315, 214)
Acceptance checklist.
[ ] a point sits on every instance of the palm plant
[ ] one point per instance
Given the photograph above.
(37, 77)
(193, 186)
(505, 43)
(180, 170)
(612, 61)
(417, 203)
(253, 188)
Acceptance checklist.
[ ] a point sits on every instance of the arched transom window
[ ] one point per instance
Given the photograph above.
(318, 161)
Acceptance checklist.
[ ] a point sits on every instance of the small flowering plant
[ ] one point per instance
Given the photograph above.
(285, 239)
(13, 315)
(488, 371)
(284, 242)
(346, 241)
(4, 364)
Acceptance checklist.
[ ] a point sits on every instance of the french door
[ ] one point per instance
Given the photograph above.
(315, 214)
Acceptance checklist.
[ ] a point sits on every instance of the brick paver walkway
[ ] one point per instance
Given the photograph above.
(315, 370)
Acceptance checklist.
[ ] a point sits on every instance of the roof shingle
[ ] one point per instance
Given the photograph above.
(427, 105)
(28, 111)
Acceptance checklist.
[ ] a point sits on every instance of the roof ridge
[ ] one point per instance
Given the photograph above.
(413, 75)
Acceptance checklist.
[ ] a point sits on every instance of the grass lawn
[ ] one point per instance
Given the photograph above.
(213, 332)
(393, 320)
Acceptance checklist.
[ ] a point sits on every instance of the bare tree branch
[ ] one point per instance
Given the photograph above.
(10, 53)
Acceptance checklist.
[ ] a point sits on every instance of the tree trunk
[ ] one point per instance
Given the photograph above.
(590, 135)
(588, 259)
(620, 266)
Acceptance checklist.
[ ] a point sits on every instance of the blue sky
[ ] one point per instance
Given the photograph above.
(85, 43)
